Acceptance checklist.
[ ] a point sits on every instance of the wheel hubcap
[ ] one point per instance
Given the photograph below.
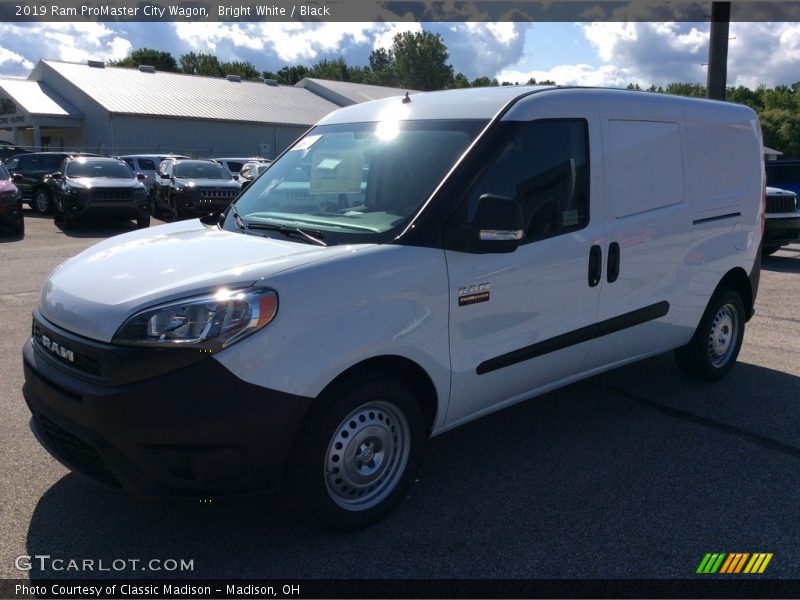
(367, 456)
(42, 202)
(723, 334)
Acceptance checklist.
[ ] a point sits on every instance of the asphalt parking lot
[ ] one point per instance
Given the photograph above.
(636, 473)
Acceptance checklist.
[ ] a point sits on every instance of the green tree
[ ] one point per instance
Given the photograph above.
(244, 69)
(781, 129)
(201, 64)
(692, 90)
(484, 82)
(287, 75)
(382, 70)
(162, 61)
(460, 81)
(332, 70)
(421, 61)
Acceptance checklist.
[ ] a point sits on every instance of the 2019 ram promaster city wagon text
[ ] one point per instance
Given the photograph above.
(404, 268)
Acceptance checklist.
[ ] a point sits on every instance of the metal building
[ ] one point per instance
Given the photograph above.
(113, 110)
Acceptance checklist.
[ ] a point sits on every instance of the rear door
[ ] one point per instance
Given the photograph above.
(518, 321)
(648, 228)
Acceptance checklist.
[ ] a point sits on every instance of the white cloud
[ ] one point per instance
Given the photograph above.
(764, 53)
(12, 61)
(604, 76)
(62, 41)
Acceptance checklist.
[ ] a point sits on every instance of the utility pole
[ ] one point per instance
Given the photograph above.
(718, 50)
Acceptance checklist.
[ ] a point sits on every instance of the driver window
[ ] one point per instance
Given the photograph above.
(544, 165)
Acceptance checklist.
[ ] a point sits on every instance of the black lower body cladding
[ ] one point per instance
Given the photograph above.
(196, 431)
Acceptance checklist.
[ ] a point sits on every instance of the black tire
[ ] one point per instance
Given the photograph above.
(769, 250)
(357, 452)
(67, 221)
(58, 215)
(716, 343)
(143, 221)
(20, 228)
(174, 209)
(42, 201)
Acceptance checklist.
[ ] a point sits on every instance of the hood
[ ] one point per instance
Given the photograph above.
(206, 183)
(7, 186)
(89, 183)
(773, 191)
(93, 293)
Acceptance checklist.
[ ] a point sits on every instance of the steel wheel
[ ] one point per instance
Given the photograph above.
(715, 345)
(358, 450)
(722, 335)
(367, 456)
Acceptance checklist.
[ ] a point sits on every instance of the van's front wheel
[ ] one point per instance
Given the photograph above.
(358, 453)
(717, 341)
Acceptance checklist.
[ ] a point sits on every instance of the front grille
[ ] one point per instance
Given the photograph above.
(111, 195)
(218, 194)
(66, 352)
(781, 204)
(75, 451)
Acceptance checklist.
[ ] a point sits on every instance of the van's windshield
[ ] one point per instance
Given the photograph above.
(355, 182)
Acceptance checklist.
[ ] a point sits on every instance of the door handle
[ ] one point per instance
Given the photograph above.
(595, 265)
(612, 272)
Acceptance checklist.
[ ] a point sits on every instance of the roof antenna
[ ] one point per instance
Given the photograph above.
(406, 100)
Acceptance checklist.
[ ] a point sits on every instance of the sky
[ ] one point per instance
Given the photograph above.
(605, 54)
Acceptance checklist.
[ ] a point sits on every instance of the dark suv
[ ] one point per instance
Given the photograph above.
(35, 168)
(784, 174)
(186, 188)
(95, 186)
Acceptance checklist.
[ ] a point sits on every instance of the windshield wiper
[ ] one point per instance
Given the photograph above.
(294, 232)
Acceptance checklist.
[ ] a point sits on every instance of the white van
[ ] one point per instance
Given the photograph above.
(407, 266)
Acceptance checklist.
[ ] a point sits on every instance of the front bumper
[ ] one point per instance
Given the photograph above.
(11, 214)
(779, 230)
(196, 203)
(79, 206)
(195, 431)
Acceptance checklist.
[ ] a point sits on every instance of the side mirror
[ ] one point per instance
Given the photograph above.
(236, 178)
(163, 176)
(499, 225)
(56, 175)
(17, 178)
(141, 176)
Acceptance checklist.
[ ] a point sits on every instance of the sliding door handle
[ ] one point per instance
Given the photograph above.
(595, 265)
(612, 272)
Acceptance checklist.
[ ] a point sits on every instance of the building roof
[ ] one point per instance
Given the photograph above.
(131, 91)
(344, 93)
(36, 98)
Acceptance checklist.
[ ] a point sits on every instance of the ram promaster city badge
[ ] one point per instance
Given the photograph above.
(402, 269)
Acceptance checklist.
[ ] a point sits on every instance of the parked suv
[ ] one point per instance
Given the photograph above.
(95, 186)
(187, 187)
(234, 164)
(782, 222)
(784, 174)
(147, 165)
(11, 216)
(35, 167)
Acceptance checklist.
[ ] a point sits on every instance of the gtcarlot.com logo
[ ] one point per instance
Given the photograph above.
(45, 562)
(732, 563)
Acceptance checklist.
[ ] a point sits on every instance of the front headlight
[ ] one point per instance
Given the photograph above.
(210, 322)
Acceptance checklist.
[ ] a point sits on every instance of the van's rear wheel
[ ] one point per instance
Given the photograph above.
(716, 343)
(358, 452)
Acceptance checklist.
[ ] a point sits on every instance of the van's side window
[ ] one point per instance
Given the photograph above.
(544, 165)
